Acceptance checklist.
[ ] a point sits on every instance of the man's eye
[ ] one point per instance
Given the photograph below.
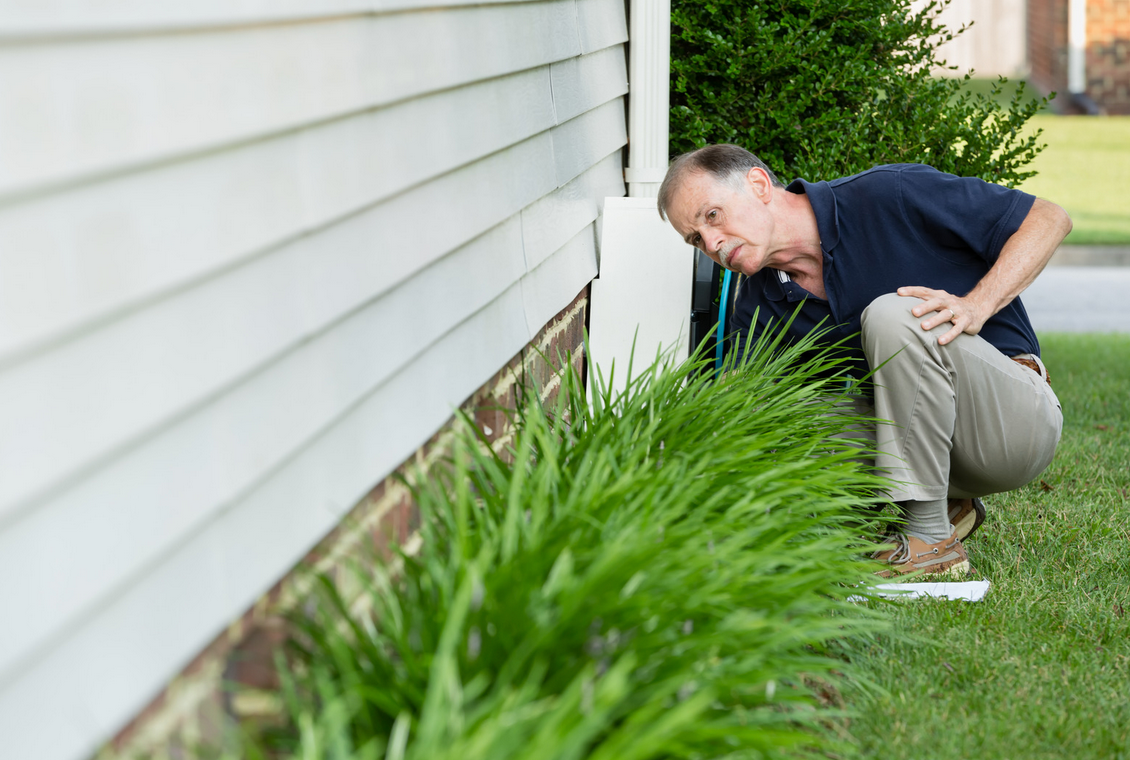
(711, 215)
(698, 240)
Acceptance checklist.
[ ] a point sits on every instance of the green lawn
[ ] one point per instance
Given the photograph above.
(1041, 668)
(985, 87)
(1085, 169)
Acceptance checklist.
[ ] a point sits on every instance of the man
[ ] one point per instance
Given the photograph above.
(924, 269)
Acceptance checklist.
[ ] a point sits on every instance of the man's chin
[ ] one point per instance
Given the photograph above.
(738, 262)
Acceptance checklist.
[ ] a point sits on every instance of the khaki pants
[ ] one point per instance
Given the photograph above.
(968, 421)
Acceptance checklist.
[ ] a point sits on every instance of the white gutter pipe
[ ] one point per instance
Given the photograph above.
(649, 75)
(1077, 57)
(1077, 47)
(633, 319)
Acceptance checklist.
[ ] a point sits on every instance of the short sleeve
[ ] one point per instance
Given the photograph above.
(962, 212)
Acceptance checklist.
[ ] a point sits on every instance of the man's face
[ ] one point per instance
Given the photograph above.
(732, 224)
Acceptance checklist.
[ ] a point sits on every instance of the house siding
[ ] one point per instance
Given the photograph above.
(252, 255)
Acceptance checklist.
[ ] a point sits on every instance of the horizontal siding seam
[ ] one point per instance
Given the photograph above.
(75, 621)
(56, 185)
(109, 33)
(64, 35)
(27, 505)
(348, 540)
(62, 336)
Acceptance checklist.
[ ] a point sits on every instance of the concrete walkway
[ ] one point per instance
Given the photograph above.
(1091, 256)
(1080, 299)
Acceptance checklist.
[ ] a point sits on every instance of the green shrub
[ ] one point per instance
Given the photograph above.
(655, 575)
(821, 89)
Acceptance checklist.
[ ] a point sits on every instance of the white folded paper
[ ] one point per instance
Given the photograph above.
(969, 591)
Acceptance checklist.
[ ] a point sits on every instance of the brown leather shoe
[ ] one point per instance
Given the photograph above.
(913, 555)
(966, 516)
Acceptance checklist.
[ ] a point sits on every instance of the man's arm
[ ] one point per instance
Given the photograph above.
(1023, 256)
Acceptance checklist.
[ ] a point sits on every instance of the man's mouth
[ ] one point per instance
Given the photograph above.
(725, 255)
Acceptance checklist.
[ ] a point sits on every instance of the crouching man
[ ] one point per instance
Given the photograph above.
(925, 268)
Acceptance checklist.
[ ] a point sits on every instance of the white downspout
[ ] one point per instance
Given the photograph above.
(634, 318)
(649, 73)
(1077, 47)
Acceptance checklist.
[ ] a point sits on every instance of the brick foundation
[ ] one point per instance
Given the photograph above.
(196, 710)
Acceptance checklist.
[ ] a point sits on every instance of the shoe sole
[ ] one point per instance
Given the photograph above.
(970, 521)
(959, 570)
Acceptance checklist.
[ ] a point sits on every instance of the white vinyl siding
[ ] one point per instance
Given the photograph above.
(252, 255)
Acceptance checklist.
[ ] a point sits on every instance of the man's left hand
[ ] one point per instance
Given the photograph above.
(966, 314)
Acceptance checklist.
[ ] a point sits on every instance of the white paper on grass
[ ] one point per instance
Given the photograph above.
(968, 591)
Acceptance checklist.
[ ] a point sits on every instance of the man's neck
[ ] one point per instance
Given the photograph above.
(797, 252)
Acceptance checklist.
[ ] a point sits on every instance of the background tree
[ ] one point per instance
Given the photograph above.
(825, 88)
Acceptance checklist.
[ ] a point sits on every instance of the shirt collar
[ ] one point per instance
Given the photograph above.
(823, 202)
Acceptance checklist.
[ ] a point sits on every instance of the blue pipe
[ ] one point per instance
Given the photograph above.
(720, 341)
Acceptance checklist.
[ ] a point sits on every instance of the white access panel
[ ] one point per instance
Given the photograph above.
(643, 291)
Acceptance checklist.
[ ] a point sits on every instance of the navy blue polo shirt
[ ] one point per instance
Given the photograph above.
(888, 227)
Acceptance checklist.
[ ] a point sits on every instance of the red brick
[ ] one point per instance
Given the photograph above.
(251, 661)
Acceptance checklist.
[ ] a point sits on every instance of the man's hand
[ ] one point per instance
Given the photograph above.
(1022, 257)
(966, 314)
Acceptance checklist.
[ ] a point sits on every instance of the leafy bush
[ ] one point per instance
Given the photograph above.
(821, 89)
(656, 575)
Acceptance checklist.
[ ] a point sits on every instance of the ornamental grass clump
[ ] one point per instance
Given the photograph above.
(655, 574)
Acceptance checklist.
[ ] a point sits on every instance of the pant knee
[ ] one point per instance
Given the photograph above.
(889, 309)
(887, 328)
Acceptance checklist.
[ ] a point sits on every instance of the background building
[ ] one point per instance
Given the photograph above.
(994, 45)
(1081, 49)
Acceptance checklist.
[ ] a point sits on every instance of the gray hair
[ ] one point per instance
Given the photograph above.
(725, 162)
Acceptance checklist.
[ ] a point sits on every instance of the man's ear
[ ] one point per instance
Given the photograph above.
(759, 184)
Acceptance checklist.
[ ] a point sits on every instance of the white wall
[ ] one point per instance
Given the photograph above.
(252, 254)
(995, 44)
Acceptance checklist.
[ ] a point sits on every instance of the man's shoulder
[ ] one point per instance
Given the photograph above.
(883, 174)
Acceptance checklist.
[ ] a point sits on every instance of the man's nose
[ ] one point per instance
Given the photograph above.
(714, 242)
